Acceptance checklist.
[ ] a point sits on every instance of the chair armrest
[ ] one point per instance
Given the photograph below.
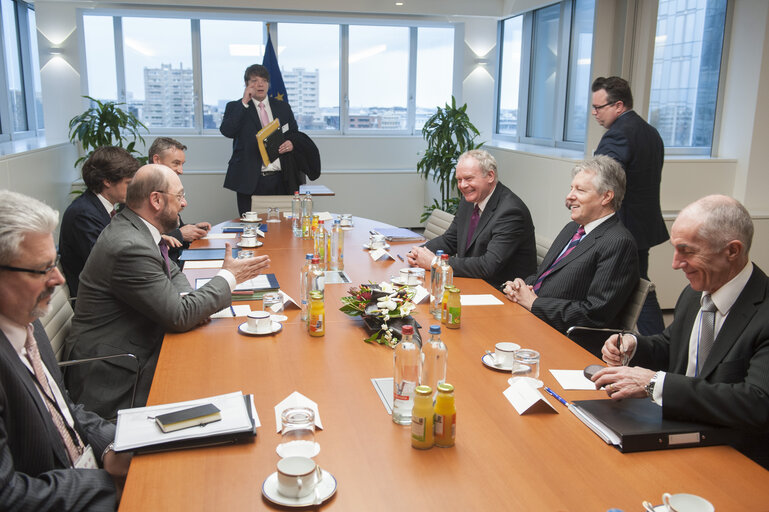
(74, 362)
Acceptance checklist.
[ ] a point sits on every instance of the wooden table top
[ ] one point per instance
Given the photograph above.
(501, 461)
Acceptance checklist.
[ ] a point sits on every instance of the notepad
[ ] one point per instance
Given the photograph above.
(186, 418)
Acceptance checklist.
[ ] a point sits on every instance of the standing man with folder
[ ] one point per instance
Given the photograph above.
(711, 364)
(247, 173)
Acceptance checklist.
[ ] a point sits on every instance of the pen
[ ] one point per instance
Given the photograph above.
(233, 310)
(400, 257)
(623, 357)
(556, 396)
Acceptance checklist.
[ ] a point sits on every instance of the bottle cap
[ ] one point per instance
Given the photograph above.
(445, 387)
(424, 390)
(308, 256)
(315, 259)
(439, 252)
(444, 256)
(435, 329)
(408, 329)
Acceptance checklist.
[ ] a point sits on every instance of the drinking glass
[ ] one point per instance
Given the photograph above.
(298, 433)
(526, 366)
(243, 254)
(273, 214)
(273, 303)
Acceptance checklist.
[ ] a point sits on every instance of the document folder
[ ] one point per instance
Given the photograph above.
(636, 425)
(268, 140)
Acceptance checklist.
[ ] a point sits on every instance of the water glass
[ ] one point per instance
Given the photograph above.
(273, 214)
(273, 303)
(243, 254)
(526, 366)
(297, 433)
(345, 220)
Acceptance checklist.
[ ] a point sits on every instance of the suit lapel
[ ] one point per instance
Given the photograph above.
(740, 315)
(252, 113)
(586, 244)
(96, 203)
(557, 246)
(678, 360)
(487, 213)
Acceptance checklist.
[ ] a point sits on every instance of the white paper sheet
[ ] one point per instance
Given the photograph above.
(484, 299)
(233, 311)
(204, 264)
(378, 254)
(384, 388)
(421, 294)
(325, 216)
(572, 379)
(219, 236)
(260, 282)
(524, 397)
(296, 399)
(136, 427)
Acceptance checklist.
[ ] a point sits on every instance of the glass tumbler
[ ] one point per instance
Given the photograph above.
(272, 302)
(273, 214)
(526, 366)
(298, 433)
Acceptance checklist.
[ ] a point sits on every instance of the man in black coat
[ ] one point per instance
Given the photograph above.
(637, 146)
(247, 174)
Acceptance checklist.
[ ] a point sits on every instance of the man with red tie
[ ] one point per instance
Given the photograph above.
(54, 455)
(591, 269)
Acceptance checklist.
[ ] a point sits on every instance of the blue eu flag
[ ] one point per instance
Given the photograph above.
(277, 87)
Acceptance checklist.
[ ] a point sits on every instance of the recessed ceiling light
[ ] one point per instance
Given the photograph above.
(398, 3)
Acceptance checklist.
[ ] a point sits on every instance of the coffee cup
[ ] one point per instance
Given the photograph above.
(412, 276)
(504, 352)
(686, 503)
(248, 241)
(251, 216)
(376, 241)
(259, 321)
(298, 476)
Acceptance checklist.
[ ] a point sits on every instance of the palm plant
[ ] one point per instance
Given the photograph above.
(106, 124)
(448, 133)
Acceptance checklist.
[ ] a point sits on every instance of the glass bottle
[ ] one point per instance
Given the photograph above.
(306, 215)
(320, 237)
(447, 279)
(314, 225)
(296, 215)
(305, 286)
(336, 247)
(434, 358)
(317, 276)
(445, 416)
(406, 358)
(422, 429)
(453, 309)
(316, 324)
(436, 287)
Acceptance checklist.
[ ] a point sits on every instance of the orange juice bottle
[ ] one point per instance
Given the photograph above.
(422, 418)
(445, 416)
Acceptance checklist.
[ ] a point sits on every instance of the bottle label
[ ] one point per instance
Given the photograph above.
(438, 425)
(418, 428)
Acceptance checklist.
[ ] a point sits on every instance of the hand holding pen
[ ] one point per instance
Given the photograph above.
(618, 349)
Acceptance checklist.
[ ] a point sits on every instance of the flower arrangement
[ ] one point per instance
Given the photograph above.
(385, 308)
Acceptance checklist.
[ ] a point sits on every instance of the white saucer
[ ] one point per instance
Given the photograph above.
(488, 362)
(326, 488)
(368, 246)
(278, 318)
(294, 451)
(273, 220)
(252, 220)
(535, 383)
(258, 244)
(243, 329)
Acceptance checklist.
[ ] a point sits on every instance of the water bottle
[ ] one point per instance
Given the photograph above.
(447, 280)
(406, 359)
(306, 215)
(296, 214)
(336, 247)
(436, 288)
(317, 276)
(304, 287)
(434, 357)
(320, 240)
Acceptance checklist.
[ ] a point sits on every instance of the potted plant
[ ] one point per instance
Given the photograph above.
(448, 133)
(106, 124)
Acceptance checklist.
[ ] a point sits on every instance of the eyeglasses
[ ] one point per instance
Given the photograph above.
(179, 196)
(46, 271)
(599, 107)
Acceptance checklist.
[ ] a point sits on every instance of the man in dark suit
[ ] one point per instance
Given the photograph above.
(638, 147)
(502, 241)
(44, 436)
(591, 268)
(106, 173)
(711, 364)
(246, 173)
(170, 152)
(131, 295)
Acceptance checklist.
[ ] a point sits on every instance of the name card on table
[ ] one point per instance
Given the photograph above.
(526, 398)
(378, 254)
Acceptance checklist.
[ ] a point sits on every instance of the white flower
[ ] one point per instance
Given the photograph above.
(386, 303)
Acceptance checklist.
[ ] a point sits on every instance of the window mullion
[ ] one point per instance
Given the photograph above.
(411, 102)
(117, 24)
(197, 75)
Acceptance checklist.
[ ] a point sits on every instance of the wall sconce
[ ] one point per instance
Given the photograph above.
(56, 52)
(482, 62)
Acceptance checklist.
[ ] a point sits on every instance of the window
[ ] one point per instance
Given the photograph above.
(98, 32)
(20, 103)
(685, 73)
(544, 73)
(435, 69)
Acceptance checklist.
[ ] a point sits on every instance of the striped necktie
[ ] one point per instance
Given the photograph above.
(572, 244)
(707, 331)
(164, 251)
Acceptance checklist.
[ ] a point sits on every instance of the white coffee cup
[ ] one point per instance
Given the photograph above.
(504, 352)
(298, 476)
(376, 241)
(686, 503)
(412, 276)
(248, 241)
(250, 215)
(259, 321)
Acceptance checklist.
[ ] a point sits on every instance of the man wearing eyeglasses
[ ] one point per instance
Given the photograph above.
(638, 147)
(131, 295)
(50, 449)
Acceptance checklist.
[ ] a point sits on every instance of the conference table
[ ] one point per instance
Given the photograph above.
(539, 461)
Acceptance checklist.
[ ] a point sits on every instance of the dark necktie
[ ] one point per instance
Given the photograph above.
(71, 441)
(164, 251)
(474, 218)
(707, 331)
(572, 244)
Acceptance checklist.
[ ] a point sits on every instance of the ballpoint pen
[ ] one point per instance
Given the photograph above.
(624, 360)
(556, 396)
(400, 257)
(233, 310)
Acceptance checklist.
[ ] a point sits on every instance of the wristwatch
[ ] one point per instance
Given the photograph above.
(650, 386)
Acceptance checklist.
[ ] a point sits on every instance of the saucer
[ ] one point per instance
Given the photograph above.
(250, 220)
(535, 383)
(278, 318)
(243, 329)
(367, 246)
(258, 244)
(488, 362)
(326, 488)
(296, 449)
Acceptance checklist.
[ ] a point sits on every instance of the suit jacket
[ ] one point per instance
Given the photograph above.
(503, 244)
(637, 145)
(34, 468)
(82, 222)
(175, 253)
(591, 285)
(241, 124)
(733, 386)
(126, 304)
